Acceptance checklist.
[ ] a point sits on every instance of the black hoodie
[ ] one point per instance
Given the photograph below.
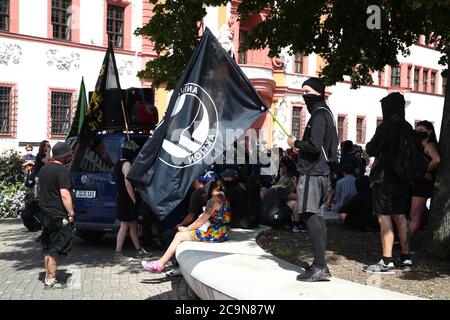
(319, 132)
(384, 144)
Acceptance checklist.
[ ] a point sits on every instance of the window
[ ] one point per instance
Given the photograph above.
(61, 19)
(341, 128)
(433, 82)
(395, 77)
(379, 121)
(408, 85)
(296, 122)
(360, 130)
(5, 110)
(4, 15)
(298, 62)
(380, 78)
(425, 80)
(242, 57)
(416, 79)
(61, 107)
(114, 26)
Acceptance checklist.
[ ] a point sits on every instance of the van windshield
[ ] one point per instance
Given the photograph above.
(100, 156)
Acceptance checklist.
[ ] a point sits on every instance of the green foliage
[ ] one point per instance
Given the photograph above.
(334, 29)
(11, 168)
(12, 188)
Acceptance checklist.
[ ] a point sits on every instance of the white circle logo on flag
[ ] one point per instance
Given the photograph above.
(193, 128)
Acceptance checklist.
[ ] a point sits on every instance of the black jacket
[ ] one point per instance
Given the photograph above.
(320, 132)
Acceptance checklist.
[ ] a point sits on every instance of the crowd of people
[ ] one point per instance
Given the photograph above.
(313, 177)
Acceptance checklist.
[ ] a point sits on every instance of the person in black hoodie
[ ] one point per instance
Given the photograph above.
(319, 144)
(390, 195)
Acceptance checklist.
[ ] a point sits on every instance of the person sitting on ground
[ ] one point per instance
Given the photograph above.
(345, 187)
(359, 153)
(246, 214)
(280, 204)
(357, 212)
(197, 201)
(213, 225)
(348, 157)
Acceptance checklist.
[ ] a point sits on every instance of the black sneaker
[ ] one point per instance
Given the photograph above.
(313, 274)
(141, 253)
(381, 268)
(405, 265)
(55, 285)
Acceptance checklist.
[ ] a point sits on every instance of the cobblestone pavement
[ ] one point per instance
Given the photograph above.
(90, 271)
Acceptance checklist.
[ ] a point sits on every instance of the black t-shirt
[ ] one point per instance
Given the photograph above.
(274, 199)
(198, 200)
(52, 178)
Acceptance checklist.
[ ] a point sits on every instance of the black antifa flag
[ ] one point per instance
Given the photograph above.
(212, 96)
(103, 95)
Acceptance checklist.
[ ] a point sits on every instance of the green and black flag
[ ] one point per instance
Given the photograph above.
(80, 112)
(212, 97)
(107, 80)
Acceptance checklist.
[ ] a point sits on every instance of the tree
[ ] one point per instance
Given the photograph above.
(343, 32)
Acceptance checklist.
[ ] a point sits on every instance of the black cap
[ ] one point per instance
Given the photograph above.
(61, 150)
(315, 83)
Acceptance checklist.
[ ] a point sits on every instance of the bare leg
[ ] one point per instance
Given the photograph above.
(402, 226)
(46, 264)
(295, 215)
(51, 268)
(179, 237)
(134, 235)
(121, 235)
(387, 234)
(417, 207)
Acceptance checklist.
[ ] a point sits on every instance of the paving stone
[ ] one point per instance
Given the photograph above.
(94, 274)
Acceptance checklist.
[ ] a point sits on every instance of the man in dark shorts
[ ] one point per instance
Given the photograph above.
(318, 146)
(390, 196)
(55, 202)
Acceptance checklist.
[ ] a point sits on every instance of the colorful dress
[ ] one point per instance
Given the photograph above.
(219, 228)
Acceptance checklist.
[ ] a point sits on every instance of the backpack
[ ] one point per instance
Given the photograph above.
(331, 156)
(410, 163)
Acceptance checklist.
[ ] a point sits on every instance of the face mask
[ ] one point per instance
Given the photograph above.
(311, 100)
(229, 184)
(421, 135)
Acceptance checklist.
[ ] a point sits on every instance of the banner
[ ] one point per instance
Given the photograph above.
(80, 112)
(108, 78)
(213, 97)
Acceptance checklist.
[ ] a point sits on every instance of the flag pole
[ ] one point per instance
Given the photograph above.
(279, 123)
(125, 118)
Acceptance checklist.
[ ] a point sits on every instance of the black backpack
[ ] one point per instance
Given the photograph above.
(410, 162)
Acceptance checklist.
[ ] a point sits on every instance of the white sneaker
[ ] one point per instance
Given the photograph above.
(175, 272)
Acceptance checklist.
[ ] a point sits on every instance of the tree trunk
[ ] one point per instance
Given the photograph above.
(438, 237)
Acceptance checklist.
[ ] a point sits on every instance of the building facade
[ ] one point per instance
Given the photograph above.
(47, 46)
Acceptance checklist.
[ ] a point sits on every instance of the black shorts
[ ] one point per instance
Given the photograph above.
(56, 238)
(387, 203)
(423, 188)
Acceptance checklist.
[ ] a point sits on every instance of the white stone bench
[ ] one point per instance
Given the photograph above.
(240, 269)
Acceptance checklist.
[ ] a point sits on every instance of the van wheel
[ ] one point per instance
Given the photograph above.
(90, 236)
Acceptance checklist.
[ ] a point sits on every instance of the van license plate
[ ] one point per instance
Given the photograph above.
(85, 194)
